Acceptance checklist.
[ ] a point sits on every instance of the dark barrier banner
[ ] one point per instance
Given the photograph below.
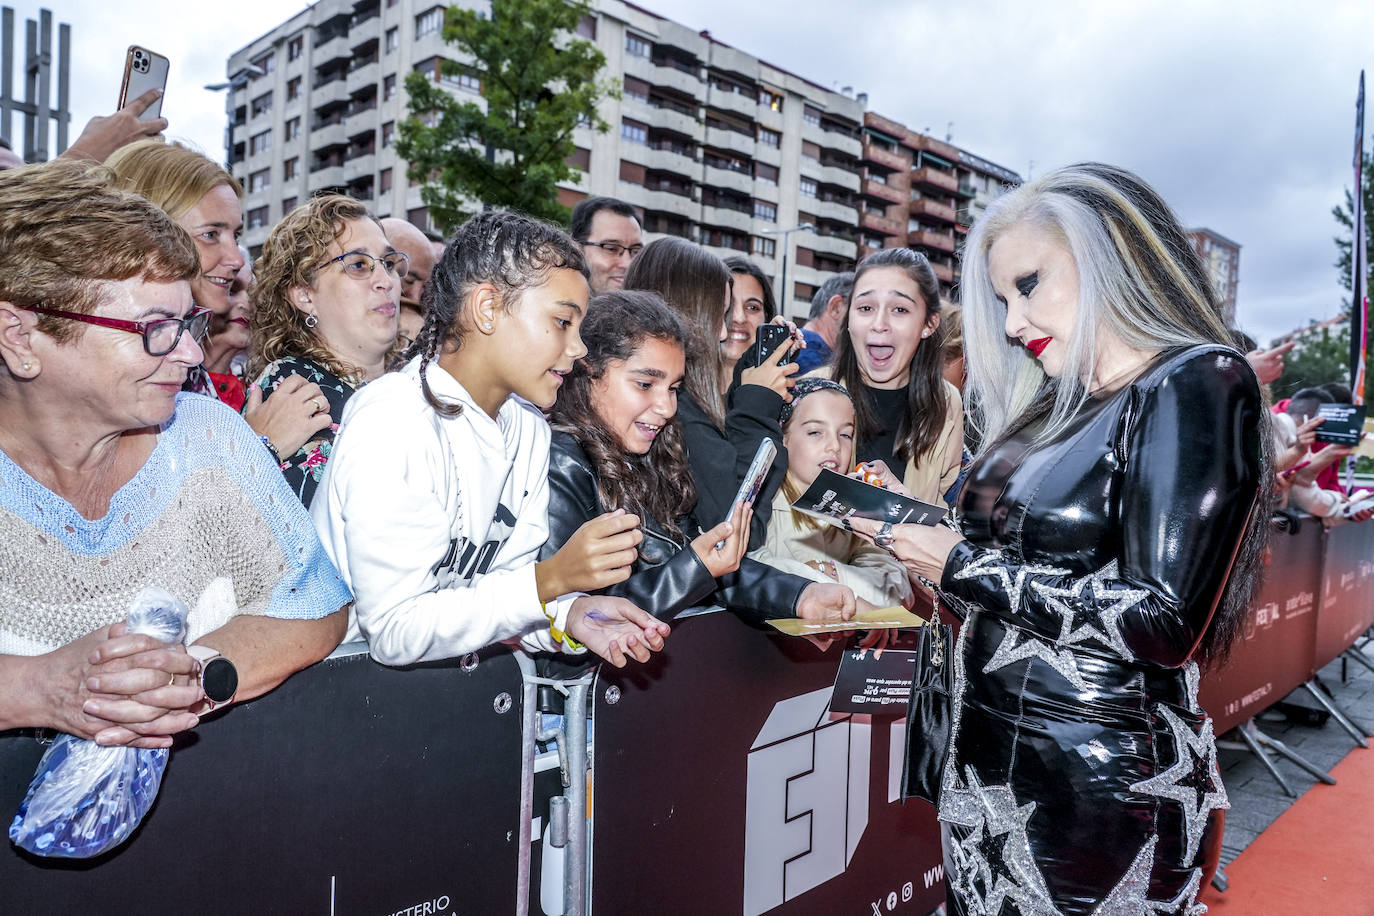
(1274, 653)
(1348, 590)
(723, 786)
(352, 789)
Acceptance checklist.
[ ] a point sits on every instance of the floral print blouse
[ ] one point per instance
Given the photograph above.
(304, 469)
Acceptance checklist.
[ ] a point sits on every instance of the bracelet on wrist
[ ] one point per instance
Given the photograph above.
(558, 635)
(271, 449)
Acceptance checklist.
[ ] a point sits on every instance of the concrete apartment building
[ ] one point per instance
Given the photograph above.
(711, 143)
(1222, 257)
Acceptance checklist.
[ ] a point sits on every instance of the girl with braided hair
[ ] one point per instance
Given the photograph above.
(434, 504)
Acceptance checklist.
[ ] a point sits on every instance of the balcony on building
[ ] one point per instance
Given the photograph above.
(724, 170)
(931, 178)
(662, 223)
(876, 222)
(732, 95)
(930, 209)
(930, 239)
(673, 151)
(876, 154)
(364, 11)
(331, 45)
(876, 188)
(330, 83)
(361, 187)
(840, 170)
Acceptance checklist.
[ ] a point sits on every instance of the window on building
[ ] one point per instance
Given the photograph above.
(393, 39)
(293, 88)
(811, 116)
(287, 205)
(259, 181)
(765, 211)
(260, 143)
(770, 137)
(261, 105)
(388, 132)
(765, 172)
(388, 87)
(257, 218)
(467, 78)
(764, 248)
(770, 99)
(637, 46)
(877, 177)
(808, 187)
(636, 89)
(429, 22)
(267, 63)
(631, 172)
(811, 150)
(292, 128)
(384, 181)
(288, 168)
(580, 158)
(295, 47)
(634, 132)
(586, 27)
(419, 218)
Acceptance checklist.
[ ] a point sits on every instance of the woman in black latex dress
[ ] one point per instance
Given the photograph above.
(1109, 534)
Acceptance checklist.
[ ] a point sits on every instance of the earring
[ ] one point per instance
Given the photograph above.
(26, 367)
(486, 325)
(311, 320)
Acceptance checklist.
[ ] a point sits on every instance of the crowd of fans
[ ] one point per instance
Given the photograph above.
(366, 433)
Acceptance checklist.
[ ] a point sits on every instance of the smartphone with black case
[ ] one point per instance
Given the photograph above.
(767, 338)
(1344, 423)
(143, 70)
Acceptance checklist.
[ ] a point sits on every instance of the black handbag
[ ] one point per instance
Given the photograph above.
(929, 713)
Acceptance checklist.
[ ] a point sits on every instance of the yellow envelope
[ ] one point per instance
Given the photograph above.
(883, 618)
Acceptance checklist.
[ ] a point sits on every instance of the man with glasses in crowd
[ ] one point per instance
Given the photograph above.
(610, 236)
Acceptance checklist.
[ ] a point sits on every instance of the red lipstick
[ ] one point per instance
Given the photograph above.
(1038, 345)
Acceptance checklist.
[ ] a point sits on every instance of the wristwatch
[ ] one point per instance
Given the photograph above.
(884, 537)
(219, 679)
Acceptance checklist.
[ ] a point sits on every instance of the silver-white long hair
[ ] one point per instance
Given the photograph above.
(1138, 277)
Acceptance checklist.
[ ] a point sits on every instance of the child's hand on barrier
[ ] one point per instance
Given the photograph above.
(614, 628)
(599, 554)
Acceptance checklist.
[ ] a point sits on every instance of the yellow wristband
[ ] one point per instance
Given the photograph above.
(557, 634)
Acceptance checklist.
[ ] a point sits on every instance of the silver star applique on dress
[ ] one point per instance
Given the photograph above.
(1017, 645)
(1082, 607)
(994, 861)
(1194, 781)
(993, 563)
(1130, 896)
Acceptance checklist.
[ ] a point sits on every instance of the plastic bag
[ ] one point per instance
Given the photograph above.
(84, 798)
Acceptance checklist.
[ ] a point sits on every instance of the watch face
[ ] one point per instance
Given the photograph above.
(219, 679)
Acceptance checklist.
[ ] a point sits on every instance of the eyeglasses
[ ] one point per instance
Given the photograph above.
(616, 249)
(160, 337)
(359, 264)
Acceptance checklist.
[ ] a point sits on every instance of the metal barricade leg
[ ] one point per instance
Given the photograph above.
(1358, 656)
(529, 728)
(1318, 691)
(575, 862)
(1289, 754)
(1254, 747)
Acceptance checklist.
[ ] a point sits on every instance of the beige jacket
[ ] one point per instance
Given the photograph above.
(937, 472)
(871, 572)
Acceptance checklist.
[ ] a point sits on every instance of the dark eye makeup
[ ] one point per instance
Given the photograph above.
(1024, 285)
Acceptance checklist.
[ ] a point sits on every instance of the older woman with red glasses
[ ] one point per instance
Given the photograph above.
(113, 479)
(325, 309)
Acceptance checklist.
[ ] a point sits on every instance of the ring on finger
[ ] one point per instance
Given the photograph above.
(319, 408)
(171, 679)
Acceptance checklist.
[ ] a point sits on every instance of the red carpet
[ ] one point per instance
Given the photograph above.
(1316, 858)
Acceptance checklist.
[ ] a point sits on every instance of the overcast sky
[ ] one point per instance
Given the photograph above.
(1241, 113)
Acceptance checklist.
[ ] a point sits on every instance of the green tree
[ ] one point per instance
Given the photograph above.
(1319, 358)
(539, 83)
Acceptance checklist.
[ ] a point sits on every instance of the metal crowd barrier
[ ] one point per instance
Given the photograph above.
(715, 780)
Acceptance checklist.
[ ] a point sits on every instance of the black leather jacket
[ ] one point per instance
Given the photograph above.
(668, 576)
